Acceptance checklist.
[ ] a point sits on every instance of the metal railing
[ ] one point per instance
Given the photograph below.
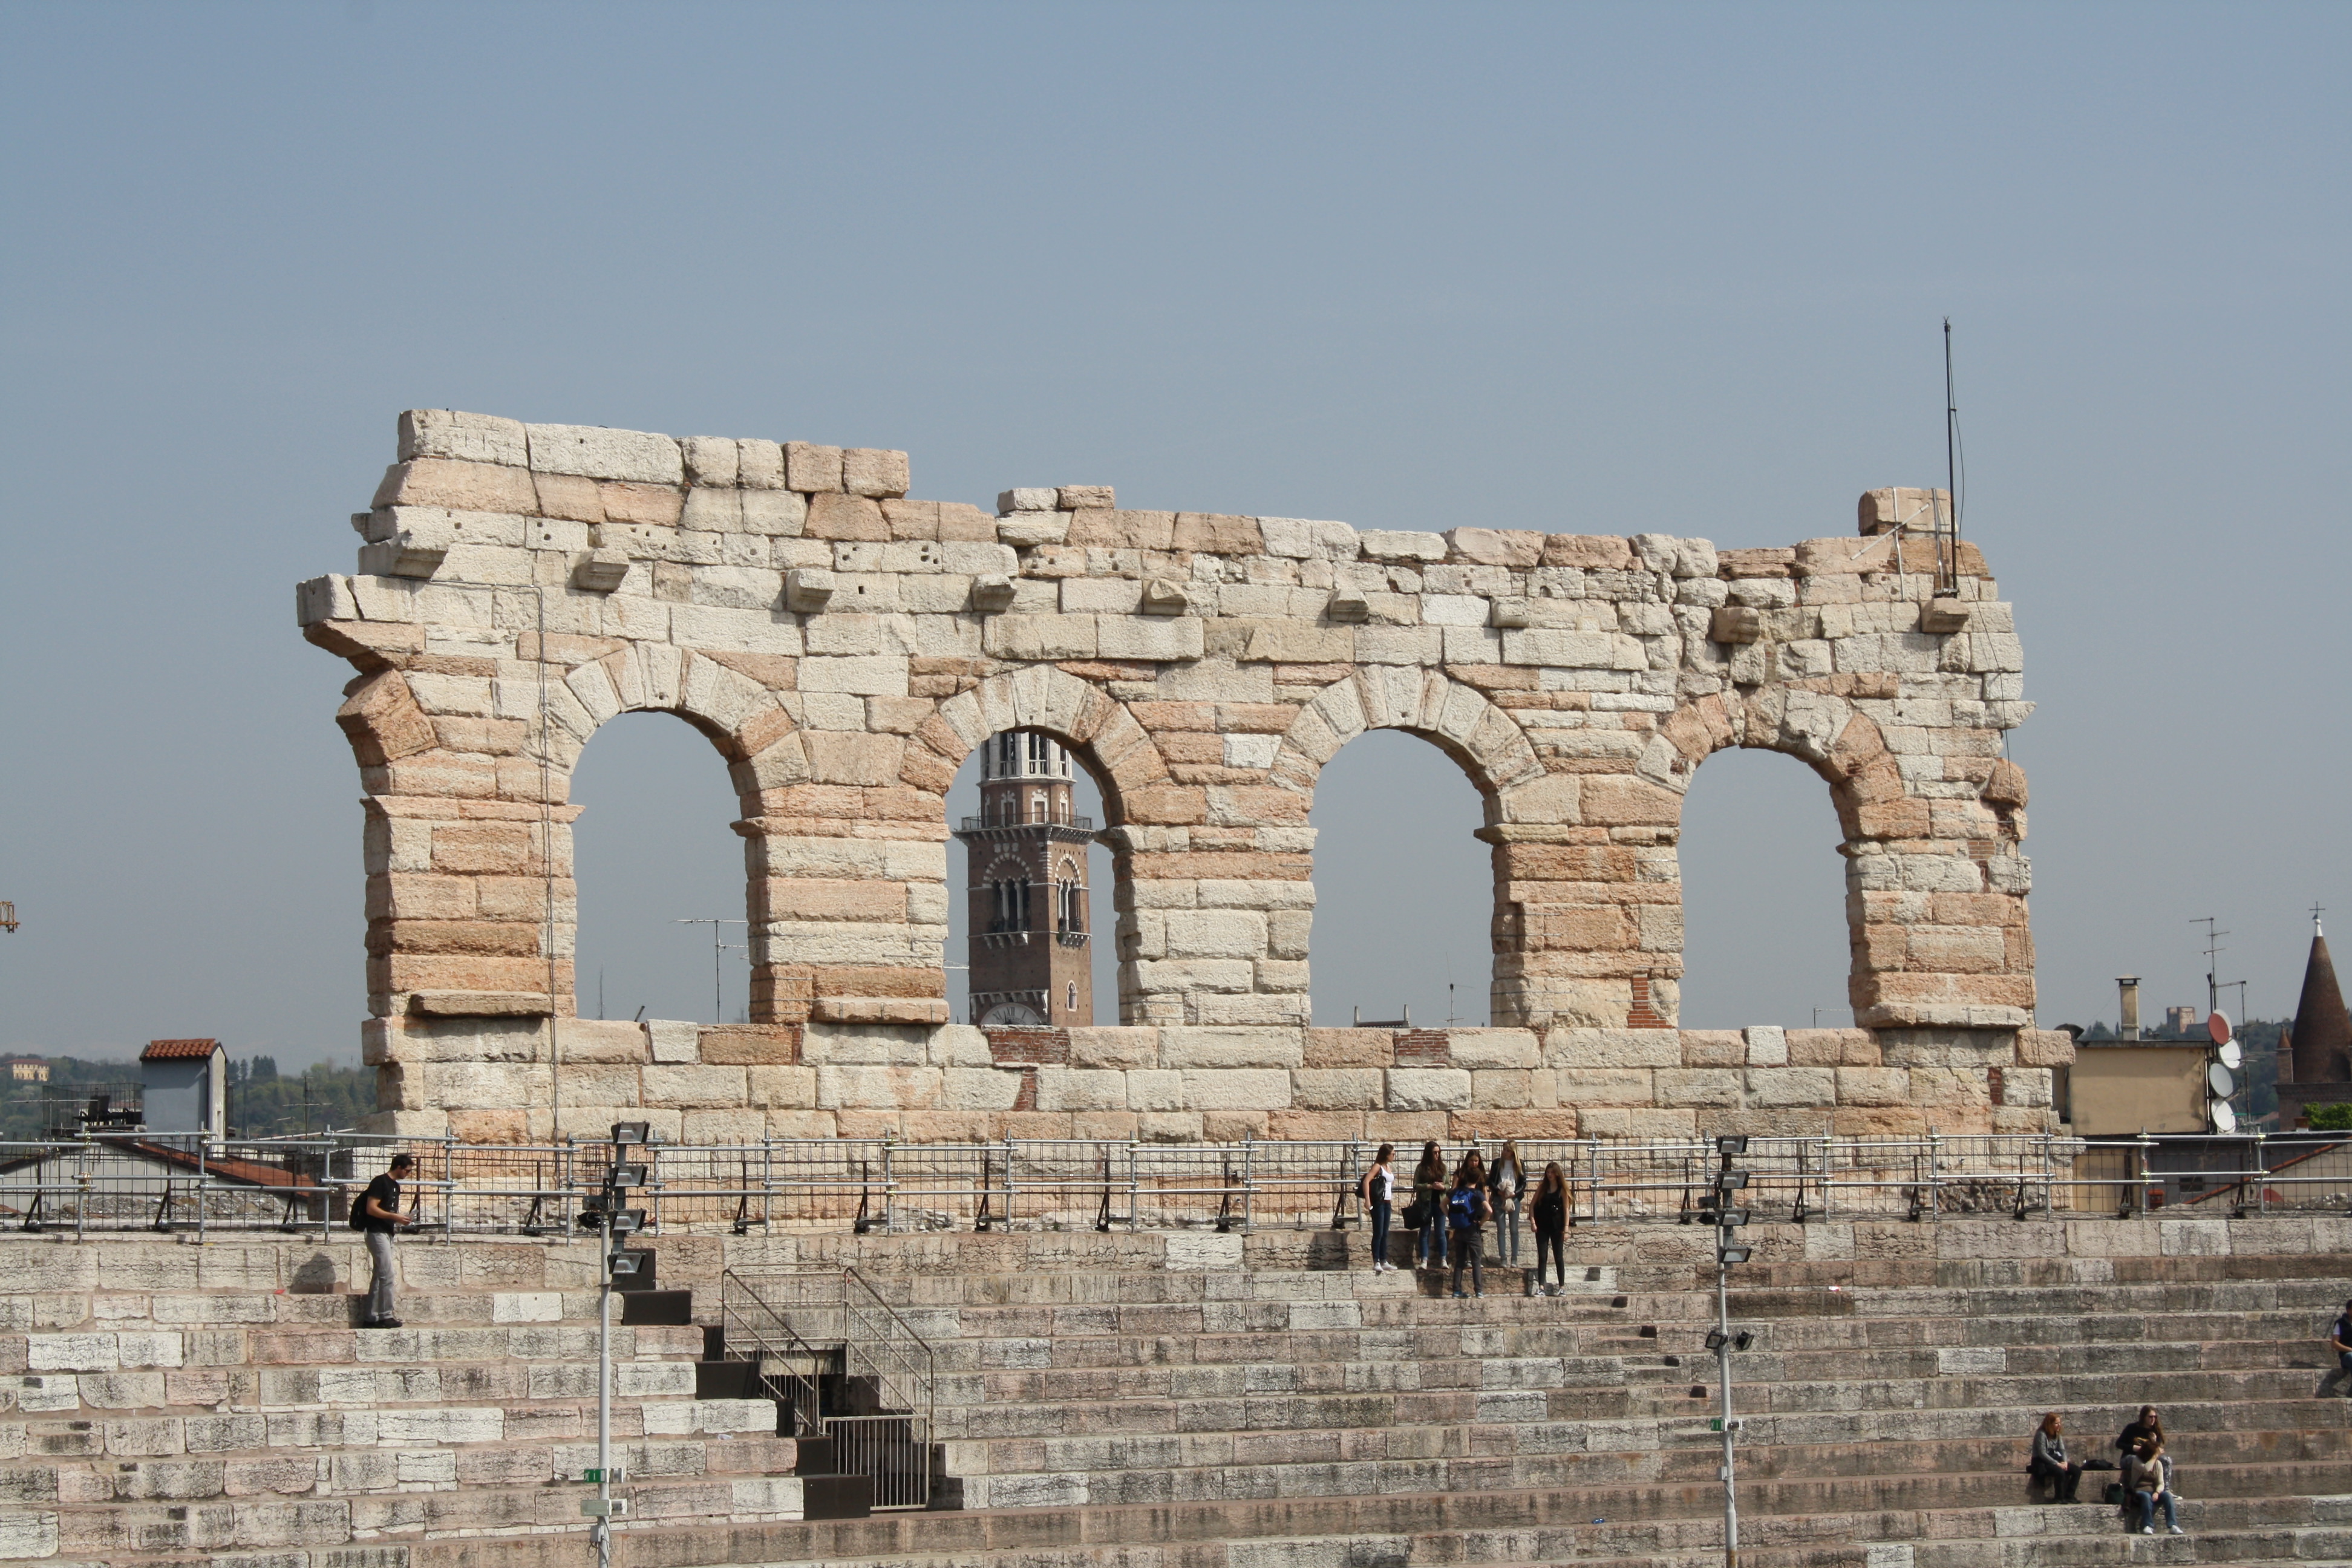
(753, 1330)
(881, 1374)
(105, 1181)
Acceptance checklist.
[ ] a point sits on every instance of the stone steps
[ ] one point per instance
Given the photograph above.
(1492, 1530)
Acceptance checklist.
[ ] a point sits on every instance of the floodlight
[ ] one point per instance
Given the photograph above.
(1731, 1254)
(1732, 1143)
(1716, 1339)
(1742, 1340)
(1731, 1181)
(625, 1263)
(627, 1221)
(626, 1175)
(1732, 1216)
(627, 1132)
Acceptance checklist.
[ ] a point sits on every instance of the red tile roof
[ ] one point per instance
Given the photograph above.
(178, 1050)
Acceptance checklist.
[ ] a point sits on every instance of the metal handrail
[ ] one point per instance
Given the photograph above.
(733, 1290)
(114, 1182)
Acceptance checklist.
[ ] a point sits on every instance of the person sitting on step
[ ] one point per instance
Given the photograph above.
(2144, 1484)
(2050, 1462)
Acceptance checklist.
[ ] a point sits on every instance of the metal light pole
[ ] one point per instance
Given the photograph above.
(1722, 1342)
(613, 1222)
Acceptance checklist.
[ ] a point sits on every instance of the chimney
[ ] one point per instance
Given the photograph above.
(2127, 1018)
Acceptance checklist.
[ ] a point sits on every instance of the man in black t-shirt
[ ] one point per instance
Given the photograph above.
(379, 1216)
(2340, 1339)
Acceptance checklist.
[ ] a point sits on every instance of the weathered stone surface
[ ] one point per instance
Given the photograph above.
(846, 647)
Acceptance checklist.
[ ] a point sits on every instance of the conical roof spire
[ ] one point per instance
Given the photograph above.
(2323, 1029)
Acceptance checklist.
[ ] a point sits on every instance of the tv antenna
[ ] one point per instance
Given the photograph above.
(2213, 950)
(1948, 528)
(719, 948)
(7, 915)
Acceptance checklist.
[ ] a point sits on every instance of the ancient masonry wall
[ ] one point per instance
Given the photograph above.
(845, 648)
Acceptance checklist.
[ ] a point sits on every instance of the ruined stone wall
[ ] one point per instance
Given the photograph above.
(845, 648)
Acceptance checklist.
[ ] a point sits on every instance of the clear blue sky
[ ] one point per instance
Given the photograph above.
(1595, 269)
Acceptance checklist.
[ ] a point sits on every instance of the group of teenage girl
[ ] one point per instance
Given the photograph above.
(2146, 1485)
(1448, 1211)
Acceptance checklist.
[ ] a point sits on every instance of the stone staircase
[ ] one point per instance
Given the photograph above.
(171, 1401)
(1195, 1401)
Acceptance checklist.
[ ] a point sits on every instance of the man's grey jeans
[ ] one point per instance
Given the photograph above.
(380, 1287)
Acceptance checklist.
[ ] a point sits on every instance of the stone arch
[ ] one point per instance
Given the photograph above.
(1491, 749)
(1100, 733)
(1935, 899)
(1097, 730)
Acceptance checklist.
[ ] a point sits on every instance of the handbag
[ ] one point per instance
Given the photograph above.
(2116, 1493)
(1416, 1214)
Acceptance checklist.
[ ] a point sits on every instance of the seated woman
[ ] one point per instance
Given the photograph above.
(2144, 1484)
(2050, 1462)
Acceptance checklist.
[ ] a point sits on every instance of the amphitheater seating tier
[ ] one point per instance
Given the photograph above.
(1192, 1401)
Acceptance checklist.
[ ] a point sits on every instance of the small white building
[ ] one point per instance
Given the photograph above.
(185, 1087)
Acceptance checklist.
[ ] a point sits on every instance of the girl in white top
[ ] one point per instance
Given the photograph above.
(1379, 1190)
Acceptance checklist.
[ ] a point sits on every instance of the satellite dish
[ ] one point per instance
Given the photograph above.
(2232, 1057)
(2224, 1119)
(2217, 1025)
(2218, 1079)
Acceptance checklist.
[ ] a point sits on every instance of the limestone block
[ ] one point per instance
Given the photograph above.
(1019, 637)
(1201, 1047)
(1155, 1090)
(1600, 1086)
(1165, 596)
(1787, 1085)
(1028, 498)
(1236, 1089)
(812, 468)
(712, 460)
(1088, 595)
(466, 437)
(1767, 1047)
(1338, 1089)
(1086, 497)
(871, 472)
(1393, 545)
(1428, 1088)
(672, 1042)
(600, 571)
(1691, 1086)
(991, 592)
(1300, 538)
(1344, 604)
(1031, 529)
(1152, 640)
(759, 464)
(1736, 623)
(808, 589)
(775, 513)
(1494, 1047)
(1214, 934)
(1081, 1088)
(325, 599)
(1607, 1048)
(593, 452)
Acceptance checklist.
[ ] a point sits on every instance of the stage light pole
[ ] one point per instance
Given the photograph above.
(1728, 1251)
(606, 1216)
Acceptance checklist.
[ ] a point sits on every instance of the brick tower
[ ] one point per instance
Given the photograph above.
(1027, 872)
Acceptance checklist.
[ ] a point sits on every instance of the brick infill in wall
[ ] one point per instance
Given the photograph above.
(1029, 1047)
(1645, 1013)
(1423, 1048)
